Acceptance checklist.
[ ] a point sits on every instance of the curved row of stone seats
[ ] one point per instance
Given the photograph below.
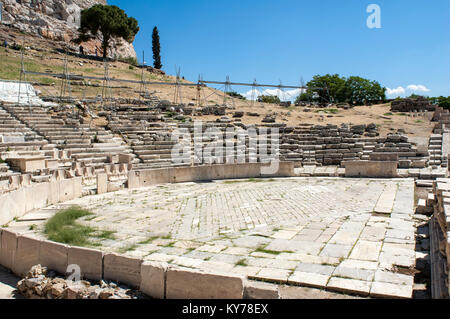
(149, 139)
(330, 145)
(10, 126)
(234, 145)
(135, 114)
(409, 156)
(306, 144)
(82, 142)
(319, 145)
(21, 145)
(16, 136)
(37, 160)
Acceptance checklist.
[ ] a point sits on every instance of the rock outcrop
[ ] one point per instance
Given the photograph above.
(58, 20)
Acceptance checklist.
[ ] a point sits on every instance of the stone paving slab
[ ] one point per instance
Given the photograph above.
(345, 235)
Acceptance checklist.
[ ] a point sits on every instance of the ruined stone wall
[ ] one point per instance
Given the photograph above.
(409, 105)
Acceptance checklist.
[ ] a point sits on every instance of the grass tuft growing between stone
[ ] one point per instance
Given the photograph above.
(148, 240)
(242, 262)
(127, 248)
(63, 228)
(267, 251)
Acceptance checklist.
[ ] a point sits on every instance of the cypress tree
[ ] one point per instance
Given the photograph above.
(156, 49)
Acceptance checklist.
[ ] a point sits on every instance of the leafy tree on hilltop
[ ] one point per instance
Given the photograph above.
(361, 91)
(335, 89)
(329, 88)
(109, 21)
(269, 99)
(156, 49)
(304, 97)
(444, 102)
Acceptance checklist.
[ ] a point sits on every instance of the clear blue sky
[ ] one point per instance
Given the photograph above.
(288, 39)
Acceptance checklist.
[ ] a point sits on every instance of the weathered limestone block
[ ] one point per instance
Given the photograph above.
(27, 164)
(69, 173)
(14, 182)
(90, 262)
(70, 189)
(51, 164)
(58, 175)
(77, 165)
(88, 171)
(114, 169)
(123, 169)
(113, 187)
(370, 169)
(25, 180)
(346, 285)
(153, 279)
(126, 270)
(108, 169)
(384, 156)
(185, 283)
(388, 290)
(125, 158)
(27, 255)
(102, 183)
(112, 158)
(54, 256)
(260, 290)
(8, 248)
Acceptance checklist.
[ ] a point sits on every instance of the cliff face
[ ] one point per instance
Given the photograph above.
(57, 20)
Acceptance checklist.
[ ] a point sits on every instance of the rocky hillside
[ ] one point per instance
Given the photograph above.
(57, 20)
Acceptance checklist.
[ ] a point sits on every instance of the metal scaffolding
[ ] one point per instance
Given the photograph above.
(106, 80)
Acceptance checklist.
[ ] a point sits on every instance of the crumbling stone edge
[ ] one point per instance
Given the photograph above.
(159, 280)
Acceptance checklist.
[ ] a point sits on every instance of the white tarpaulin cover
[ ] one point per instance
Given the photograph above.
(9, 92)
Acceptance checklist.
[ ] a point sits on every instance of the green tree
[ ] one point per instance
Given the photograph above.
(327, 88)
(304, 97)
(110, 22)
(336, 89)
(360, 91)
(156, 49)
(269, 99)
(444, 102)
